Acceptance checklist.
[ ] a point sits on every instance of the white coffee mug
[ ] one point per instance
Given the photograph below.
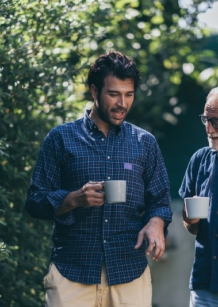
(115, 191)
(197, 207)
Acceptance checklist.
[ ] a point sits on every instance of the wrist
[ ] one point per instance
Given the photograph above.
(157, 219)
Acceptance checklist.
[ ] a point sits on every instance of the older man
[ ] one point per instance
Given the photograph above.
(201, 179)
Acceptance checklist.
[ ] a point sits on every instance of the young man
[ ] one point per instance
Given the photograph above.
(98, 257)
(201, 179)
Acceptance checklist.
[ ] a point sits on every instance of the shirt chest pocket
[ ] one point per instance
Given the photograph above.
(132, 171)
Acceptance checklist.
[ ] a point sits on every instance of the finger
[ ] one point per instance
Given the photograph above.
(190, 221)
(193, 221)
(96, 182)
(151, 246)
(139, 240)
(96, 186)
(99, 195)
(158, 251)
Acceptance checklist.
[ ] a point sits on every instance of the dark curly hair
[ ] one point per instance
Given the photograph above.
(116, 64)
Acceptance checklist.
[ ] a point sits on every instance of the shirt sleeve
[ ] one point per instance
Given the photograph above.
(45, 195)
(157, 187)
(188, 186)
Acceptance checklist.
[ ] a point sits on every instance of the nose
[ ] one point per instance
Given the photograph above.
(209, 128)
(121, 101)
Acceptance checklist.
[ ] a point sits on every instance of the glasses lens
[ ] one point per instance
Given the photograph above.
(204, 120)
(214, 122)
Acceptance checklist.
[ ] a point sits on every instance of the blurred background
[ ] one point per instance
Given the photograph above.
(46, 48)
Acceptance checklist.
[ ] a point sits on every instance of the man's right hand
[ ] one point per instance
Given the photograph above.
(88, 196)
(189, 221)
(192, 225)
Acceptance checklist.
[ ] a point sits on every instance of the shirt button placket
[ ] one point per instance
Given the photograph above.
(106, 213)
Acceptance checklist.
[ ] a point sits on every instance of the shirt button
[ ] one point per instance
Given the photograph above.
(91, 132)
(106, 221)
(214, 257)
(108, 177)
(105, 241)
(216, 235)
(102, 139)
(108, 157)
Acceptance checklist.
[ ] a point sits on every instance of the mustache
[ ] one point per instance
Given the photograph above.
(213, 135)
(118, 109)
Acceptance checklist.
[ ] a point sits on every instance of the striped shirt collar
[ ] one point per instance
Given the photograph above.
(89, 123)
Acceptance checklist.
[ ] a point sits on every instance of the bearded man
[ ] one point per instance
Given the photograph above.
(98, 257)
(201, 179)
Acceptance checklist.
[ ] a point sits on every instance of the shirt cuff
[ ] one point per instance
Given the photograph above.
(56, 199)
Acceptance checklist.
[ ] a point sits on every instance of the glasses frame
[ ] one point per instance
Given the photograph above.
(209, 120)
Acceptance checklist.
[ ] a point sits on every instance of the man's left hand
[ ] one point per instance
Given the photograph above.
(153, 232)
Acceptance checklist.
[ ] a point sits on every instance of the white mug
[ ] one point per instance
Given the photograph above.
(197, 207)
(115, 191)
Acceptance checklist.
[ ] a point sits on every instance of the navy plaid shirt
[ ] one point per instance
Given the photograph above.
(76, 153)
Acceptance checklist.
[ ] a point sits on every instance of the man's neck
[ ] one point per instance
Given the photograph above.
(102, 126)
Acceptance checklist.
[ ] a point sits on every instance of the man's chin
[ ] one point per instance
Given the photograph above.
(213, 143)
(117, 122)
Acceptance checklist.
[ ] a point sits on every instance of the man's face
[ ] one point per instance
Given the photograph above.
(211, 111)
(115, 100)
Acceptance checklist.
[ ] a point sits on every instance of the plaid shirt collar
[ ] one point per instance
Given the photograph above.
(91, 126)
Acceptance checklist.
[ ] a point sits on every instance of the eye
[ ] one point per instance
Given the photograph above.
(113, 94)
(215, 122)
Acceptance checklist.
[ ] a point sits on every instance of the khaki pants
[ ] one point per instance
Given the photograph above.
(61, 292)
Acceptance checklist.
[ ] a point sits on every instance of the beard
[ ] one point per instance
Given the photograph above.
(213, 141)
(106, 115)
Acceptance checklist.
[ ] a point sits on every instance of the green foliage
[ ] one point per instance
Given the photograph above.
(4, 254)
(46, 48)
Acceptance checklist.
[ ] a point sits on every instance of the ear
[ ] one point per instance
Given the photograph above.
(93, 91)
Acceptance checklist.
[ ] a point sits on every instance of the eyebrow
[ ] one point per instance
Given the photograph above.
(113, 91)
(208, 106)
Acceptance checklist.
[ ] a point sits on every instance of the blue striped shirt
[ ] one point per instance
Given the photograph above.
(76, 153)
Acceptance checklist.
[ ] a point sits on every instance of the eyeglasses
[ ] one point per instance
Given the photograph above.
(205, 120)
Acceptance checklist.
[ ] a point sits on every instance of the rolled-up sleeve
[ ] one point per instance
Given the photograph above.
(45, 195)
(157, 187)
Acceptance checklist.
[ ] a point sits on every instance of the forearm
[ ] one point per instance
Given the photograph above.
(69, 203)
